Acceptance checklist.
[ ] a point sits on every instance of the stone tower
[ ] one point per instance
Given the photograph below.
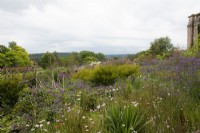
(193, 28)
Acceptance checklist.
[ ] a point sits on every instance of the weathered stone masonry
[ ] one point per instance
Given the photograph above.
(193, 29)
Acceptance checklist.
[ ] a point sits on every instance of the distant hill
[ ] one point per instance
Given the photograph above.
(64, 54)
(39, 55)
(118, 55)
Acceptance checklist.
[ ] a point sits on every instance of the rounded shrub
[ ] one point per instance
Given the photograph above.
(107, 74)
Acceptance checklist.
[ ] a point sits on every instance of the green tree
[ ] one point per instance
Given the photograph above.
(14, 55)
(49, 60)
(2, 58)
(88, 56)
(161, 45)
(100, 57)
(73, 59)
(3, 49)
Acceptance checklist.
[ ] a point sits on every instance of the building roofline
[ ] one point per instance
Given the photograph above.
(193, 15)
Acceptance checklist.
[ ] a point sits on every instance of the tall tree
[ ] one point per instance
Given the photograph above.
(14, 55)
(160, 46)
(49, 60)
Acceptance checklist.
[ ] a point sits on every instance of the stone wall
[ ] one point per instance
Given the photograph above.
(193, 29)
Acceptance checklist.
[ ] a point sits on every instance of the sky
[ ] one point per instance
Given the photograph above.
(107, 26)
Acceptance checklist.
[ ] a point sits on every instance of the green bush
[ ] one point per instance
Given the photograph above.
(107, 74)
(10, 88)
(124, 120)
(83, 74)
(104, 75)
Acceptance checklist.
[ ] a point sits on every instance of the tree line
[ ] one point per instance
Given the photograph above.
(16, 56)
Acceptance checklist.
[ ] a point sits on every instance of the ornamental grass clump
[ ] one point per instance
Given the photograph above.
(119, 119)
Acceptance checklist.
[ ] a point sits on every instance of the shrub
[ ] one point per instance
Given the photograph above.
(9, 90)
(107, 74)
(124, 120)
(104, 75)
(83, 74)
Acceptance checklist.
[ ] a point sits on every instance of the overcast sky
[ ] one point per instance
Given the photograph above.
(107, 26)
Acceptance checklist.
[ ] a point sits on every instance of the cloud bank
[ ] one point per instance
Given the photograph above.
(108, 26)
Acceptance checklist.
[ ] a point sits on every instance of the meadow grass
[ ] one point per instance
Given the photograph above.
(163, 98)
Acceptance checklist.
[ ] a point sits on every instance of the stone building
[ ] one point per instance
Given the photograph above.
(193, 28)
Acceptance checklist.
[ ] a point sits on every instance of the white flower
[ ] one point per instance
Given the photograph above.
(123, 125)
(41, 125)
(87, 130)
(135, 104)
(168, 126)
(27, 125)
(99, 106)
(42, 121)
(48, 122)
(83, 117)
(37, 125)
(45, 130)
(32, 129)
(103, 105)
(78, 99)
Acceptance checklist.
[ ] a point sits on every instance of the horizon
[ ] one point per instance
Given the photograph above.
(83, 50)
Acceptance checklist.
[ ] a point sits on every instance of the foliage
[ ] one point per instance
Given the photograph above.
(165, 95)
(194, 51)
(49, 60)
(104, 75)
(120, 119)
(10, 87)
(13, 56)
(88, 101)
(197, 45)
(3, 49)
(107, 74)
(88, 56)
(73, 59)
(160, 46)
(83, 74)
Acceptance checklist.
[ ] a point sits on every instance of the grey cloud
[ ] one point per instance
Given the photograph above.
(108, 26)
(17, 5)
